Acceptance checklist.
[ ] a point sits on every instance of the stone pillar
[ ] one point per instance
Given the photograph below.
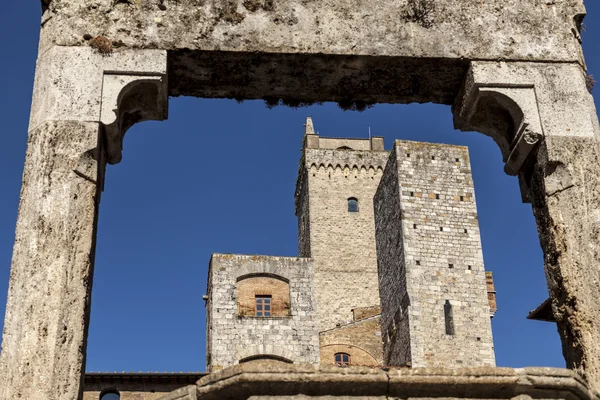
(545, 122)
(83, 103)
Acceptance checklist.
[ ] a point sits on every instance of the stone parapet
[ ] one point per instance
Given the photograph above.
(264, 381)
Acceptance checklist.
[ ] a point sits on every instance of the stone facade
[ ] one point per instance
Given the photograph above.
(136, 386)
(304, 382)
(523, 83)
(236, 334)
(433, 286)
(341, 243)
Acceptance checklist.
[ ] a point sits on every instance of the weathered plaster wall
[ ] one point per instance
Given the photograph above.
(342, 243)
(234, 336)
(443, 261)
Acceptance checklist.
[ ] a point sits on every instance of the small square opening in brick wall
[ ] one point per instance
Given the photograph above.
(450, 266)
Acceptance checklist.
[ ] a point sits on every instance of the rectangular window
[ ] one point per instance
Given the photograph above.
(263, 306)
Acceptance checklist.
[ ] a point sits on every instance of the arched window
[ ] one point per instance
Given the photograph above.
(110, 395)
(342, 360)
(352, 204)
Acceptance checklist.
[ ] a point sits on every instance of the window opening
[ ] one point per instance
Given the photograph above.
(462, 198)
(469, 267)
(352, 204)
(414, 226)
(466, 231)
(441, 228)
(412, 194)
(110, 395)
(437, 196)
(433, 157)
(450, 265)
(407, 154)
(418, 262)
(449, 318)
(263, 306)
(342, 360)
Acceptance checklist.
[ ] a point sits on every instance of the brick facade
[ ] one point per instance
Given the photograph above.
(432, 279)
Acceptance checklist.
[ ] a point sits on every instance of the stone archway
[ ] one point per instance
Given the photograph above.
(361, 54)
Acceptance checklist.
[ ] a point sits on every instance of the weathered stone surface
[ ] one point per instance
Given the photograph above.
(435, 310)
(47, 312)
(559, 177)
(511, 29)
(341, 243)
(45, 330)
(566, 203)
(234, 334)
(268, 382)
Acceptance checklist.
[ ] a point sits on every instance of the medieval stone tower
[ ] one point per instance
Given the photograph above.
(334, 205)
(432, 281)
(389, 271)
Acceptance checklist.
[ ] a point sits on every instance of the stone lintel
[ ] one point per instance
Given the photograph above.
(261, 379)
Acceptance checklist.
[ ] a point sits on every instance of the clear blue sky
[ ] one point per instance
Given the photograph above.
(219, 176)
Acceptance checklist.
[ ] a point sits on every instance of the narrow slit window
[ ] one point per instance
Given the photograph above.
(449, 318)
(352, 204)
(414, 226)
(462, 198)
(263, 306)
(342, 360)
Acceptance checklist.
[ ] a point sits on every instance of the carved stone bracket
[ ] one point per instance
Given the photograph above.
(507, 113)
(128, 98)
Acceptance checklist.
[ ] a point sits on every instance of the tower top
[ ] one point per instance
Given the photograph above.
(309, 128)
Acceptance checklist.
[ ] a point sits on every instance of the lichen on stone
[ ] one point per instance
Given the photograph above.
(421, 12)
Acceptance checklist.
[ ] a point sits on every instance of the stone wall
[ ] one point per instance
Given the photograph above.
(233, 336)
(341, 243)
(136, 386)
(323, 382)
(360, 339)
(441, 282)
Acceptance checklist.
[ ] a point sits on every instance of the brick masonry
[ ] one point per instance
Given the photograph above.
(431, 274)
